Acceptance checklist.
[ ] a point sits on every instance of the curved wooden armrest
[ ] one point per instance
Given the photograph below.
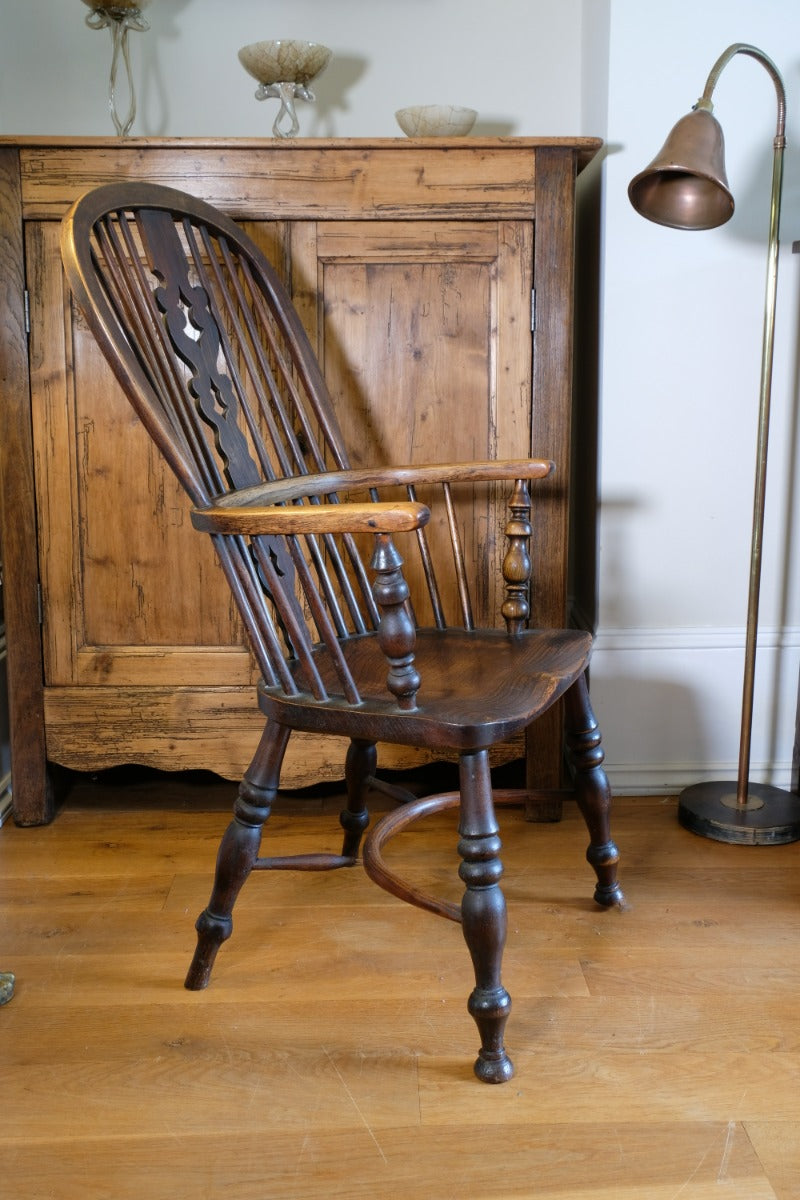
(256, 519)
(326, 483)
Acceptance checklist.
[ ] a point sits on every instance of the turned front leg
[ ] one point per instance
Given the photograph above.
(483, 915)
(592, 791)
(238, 852)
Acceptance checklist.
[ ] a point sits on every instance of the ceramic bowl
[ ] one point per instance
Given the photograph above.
(284, 61)
(436, 120)
(122, 6)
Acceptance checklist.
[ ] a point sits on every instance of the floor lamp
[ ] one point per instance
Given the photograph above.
(685, 187)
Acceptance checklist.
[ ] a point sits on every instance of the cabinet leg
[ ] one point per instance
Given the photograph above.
(38, 788)
(238, 851)
(543, 766)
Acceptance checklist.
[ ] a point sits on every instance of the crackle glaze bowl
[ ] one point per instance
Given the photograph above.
(284, 60)
(436, 120)
(120, 6)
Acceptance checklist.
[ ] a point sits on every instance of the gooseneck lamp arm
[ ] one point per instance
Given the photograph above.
(754, 52)
(765, 393)
(685, 188)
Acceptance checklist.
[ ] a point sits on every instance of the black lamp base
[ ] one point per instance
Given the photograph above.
(770, 817)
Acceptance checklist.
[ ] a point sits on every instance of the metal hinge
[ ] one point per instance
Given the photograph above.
(27, 311)
(533, 309)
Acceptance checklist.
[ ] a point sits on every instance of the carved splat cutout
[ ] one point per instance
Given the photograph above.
(196, 338)
(203, 345)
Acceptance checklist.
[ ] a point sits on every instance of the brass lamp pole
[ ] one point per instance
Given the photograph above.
(685, 187)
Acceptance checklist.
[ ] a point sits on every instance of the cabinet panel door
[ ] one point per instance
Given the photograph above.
(420, 327)
(131, 593)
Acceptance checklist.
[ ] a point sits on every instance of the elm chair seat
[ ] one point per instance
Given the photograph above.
(520, 678)
(353, 585)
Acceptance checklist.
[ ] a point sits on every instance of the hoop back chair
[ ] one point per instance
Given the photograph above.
(206, 344)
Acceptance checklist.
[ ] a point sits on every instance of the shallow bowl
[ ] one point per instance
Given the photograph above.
(122, 6)
(284, 60)
(436, 120)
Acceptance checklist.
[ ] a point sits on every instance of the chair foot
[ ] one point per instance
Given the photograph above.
(604, 859)
(498, 1070)
(490, 1010)
(212, 931)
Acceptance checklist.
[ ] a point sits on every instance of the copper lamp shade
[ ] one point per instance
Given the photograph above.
(685, 186)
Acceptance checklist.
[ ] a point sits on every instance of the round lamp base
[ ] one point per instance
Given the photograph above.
(769, 817)
(6, 986)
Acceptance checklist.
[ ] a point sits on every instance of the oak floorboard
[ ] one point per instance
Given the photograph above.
(549, 1162)
(777, 1144)
(38, 1032)
(642, 1086)
(657, 1047)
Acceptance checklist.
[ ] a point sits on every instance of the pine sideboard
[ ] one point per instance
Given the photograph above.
(414, 265)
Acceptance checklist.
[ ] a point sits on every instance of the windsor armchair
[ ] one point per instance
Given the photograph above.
(207, 346)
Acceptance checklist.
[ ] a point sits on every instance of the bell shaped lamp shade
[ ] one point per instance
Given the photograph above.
(685, 187)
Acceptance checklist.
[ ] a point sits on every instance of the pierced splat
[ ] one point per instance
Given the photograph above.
(180, 300)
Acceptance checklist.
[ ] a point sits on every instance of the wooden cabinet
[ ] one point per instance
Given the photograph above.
(413, 265)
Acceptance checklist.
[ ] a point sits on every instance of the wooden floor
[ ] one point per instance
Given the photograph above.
(657, 1048)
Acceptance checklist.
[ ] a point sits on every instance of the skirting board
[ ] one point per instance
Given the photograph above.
(668, 779)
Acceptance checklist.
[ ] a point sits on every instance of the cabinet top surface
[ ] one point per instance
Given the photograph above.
(584, 148)
(310, 178)
(577, 143)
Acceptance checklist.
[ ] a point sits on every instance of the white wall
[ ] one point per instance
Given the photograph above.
(681, 313)
(387, 54)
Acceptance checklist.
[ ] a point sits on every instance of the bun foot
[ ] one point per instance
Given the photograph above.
(494, 1068)
(609, 895)
(211, 933)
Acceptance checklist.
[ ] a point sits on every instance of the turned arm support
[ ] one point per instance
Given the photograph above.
(517, 562)
(397, 636)
(396, 633)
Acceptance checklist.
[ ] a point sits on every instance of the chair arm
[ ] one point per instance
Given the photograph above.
(254, 520)
(325, 483)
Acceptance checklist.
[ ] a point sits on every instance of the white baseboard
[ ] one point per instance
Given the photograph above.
(668, 779)
(639, 638)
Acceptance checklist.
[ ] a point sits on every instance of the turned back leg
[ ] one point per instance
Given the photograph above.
(359, 768)
(592, 791)
(238, 851)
